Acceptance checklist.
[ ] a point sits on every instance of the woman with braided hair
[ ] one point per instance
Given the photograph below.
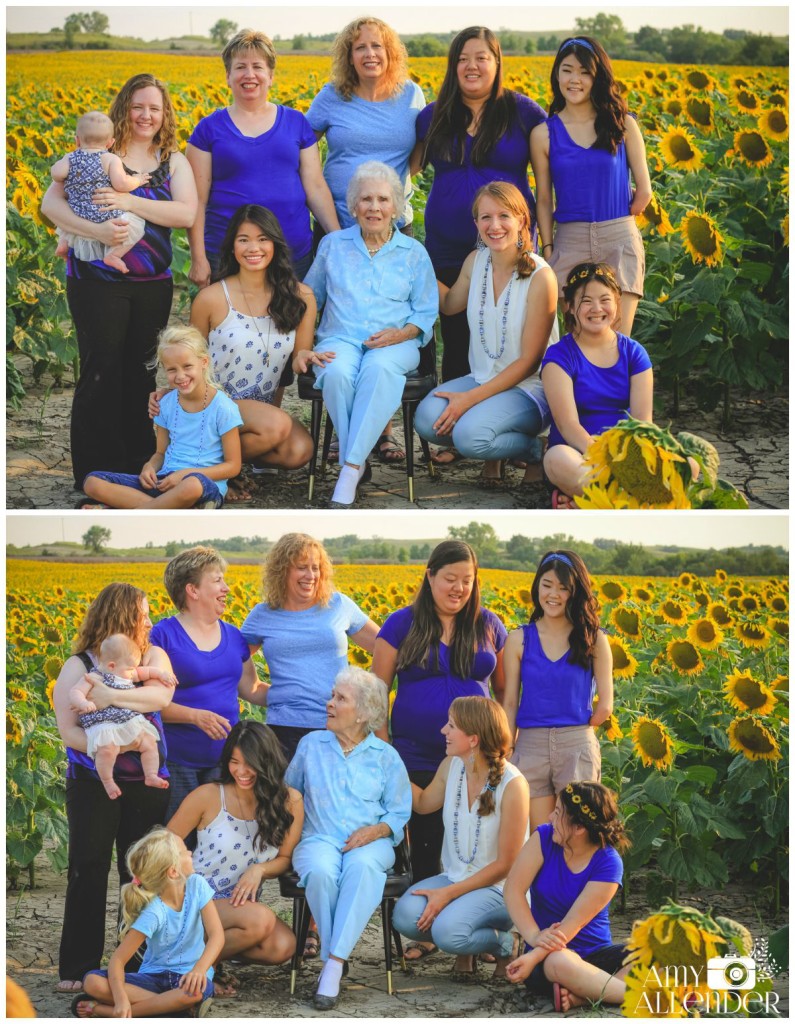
(555, 667)
(485, 804)
(572, 869)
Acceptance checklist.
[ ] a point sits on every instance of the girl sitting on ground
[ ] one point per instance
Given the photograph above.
(113, 731)
(198, 441)
(593, 378)
(171, 908)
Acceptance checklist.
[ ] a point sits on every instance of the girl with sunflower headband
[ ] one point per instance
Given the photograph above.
(585, 153)
(572, 869)
(592, 378)
(553, 668)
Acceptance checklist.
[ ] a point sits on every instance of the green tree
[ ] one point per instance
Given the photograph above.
(95, 539)
(425, 46)
(299, 42)
(529, 46)
(223, 30)
(651, 40)
(419, 551)
(607, 28)
(96, 22)
(402, 556)
(71, 27)
(480, 536)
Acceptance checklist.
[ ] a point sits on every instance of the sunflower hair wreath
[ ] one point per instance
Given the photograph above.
(576, 799)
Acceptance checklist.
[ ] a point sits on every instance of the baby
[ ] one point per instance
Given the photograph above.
(82, 172)
(114, 730)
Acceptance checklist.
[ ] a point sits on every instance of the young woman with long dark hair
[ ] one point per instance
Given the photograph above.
(247, 826)
(445, 645)
(554, 666)
(585, 153)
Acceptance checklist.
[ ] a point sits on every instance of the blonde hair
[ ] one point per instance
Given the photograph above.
(93, 128)
(118, 647)
(486, 719)
(248, 39)
(148, 861)
(343, 74)
(190, 338)
(511, 199)
(189, 567)
(284, 554)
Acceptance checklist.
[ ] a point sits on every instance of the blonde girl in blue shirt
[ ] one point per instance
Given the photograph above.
(171, 908)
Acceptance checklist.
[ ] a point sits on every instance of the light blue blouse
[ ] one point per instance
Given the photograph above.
(363, 295)
(341, 794)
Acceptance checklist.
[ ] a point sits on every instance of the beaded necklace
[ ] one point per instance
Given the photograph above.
(464, 860)
(504, 318)
(178, 409)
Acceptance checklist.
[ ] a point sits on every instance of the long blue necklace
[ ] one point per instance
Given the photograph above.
(503, 319)
(464, 860)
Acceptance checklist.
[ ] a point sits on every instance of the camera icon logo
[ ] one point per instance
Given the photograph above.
(731, 972)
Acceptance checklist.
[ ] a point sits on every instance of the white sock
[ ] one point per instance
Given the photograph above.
(330, 977)
(345, 491)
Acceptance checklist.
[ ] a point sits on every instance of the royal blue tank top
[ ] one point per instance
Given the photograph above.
(590, 184)
(554, 693)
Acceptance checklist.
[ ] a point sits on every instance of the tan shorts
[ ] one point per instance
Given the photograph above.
(552, 758)
(615, 242)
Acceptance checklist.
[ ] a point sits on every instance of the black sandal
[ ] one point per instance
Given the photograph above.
(388, 450)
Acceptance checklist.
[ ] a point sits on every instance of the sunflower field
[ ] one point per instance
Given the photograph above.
(696, 748)
(716, 231)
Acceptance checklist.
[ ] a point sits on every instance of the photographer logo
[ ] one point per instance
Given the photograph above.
(731, 972)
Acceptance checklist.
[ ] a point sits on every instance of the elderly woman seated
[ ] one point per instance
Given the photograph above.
(381, 302)
(357, 801)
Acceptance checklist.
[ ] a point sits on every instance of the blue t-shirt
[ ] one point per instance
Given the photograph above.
(555, 889)
(424, 694)
(601, 393)
(305, 650)
(450, 233)
(263, 170)
(207, 680)
(555, 694)
(358, 130)
(590, 184)
(194, 438)
(175, 938)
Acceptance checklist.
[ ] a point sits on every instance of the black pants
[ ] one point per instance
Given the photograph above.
(117, 324)
(426, 832)
(289, 736)
(455, 333)
(95, 825)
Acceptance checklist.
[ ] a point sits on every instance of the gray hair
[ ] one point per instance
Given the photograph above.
(369, 694)
(374, 170)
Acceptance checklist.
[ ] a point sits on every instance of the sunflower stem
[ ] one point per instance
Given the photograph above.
(725, 419)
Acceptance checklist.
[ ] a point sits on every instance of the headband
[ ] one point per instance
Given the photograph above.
(598, 270)
(560, 557)
(577, 42)
(576, 799)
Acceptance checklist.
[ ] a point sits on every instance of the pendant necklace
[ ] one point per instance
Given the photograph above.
(267, 342)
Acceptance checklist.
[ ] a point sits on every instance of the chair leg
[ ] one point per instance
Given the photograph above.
(317, 415)
(408, 431)
(300, 928)
(399, 946)
(386, 924)
(426, 451)
(326, 443)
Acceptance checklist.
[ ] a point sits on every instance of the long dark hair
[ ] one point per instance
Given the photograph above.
(582, 608)
(286, 307)
(421, 646)
(579, 278)
(262, 752)
(446, 136)
(611, 108)
(595, 808)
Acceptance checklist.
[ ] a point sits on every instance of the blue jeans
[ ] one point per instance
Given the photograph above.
(362, 387)
(501, 427)
(476, 922)
(210, 494)
(162, 981)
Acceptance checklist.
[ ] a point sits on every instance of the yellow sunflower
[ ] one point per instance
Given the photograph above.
(627, 621)
(647, 997)
(678, 149)
(748, 603)
(685, 658)
(752, 149)
(704, 633)
(780, 683)
(721, 576)
(652, 743)
(754, 740)
(746, 100)
(673, 612)
(751, 634)
(612, 730)
(13, 729)
(698, 79)
(525, 596)
(748, 694)
(624, 664)
(734, 590)
(643, 595)
(634, 454)
(700, 112)
(780, 627)
(686, 579)
(48, 693)
(596, 496)
(655, 218)
(673, 106)
(701, 238)
(611, 590)
(676, 937)
(778, 603)
(51, 634)
(774, 124)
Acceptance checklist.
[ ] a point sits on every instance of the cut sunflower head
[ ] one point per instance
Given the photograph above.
(701, 238)
(677, 936)
(748, 694)
(643, 460)
(749, 737)
(678, 149)
(652, 743)
(684, 657)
